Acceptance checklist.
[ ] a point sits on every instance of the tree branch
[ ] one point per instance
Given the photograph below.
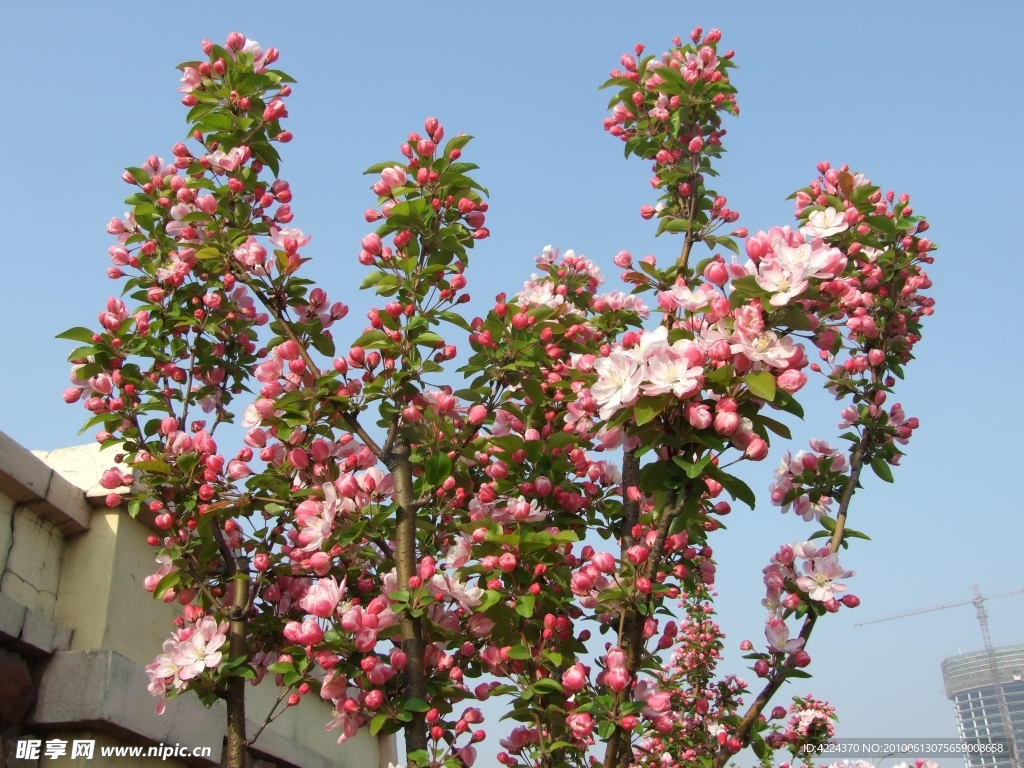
(780, 675)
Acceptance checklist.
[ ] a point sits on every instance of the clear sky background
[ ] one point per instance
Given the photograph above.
(922, 97)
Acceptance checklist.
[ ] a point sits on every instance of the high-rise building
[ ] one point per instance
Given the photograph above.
(969, 685)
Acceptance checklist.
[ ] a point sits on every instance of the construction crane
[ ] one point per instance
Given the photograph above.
(979, 604)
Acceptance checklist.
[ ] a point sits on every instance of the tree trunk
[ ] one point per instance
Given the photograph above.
(235, 695)
(406, 566)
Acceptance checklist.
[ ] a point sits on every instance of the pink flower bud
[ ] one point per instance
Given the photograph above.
(617, 678)
(726, 422)
(757, 449)
(637, 554)
(717, 273)
(574, 678)
(604, 562)
(477, 414)
(791, 380)
(696, 144)
(372, 244)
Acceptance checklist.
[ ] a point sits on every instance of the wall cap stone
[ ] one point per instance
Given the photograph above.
(28, 632)
(27, 480)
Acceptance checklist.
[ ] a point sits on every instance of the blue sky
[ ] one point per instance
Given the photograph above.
(922, 97)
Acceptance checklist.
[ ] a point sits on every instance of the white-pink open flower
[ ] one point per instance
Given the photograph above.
(459, 552)
(230, 160)
(318, 526)
(821, 572)
(618, 383)
(778, 637)
(688, 300)
(766, 347)
(816, 262)
(784, 283)
(539, 293)
(190, 80)
(670, 371)
(201, 650)
(452, 586)
(279, 237)
(824, 223)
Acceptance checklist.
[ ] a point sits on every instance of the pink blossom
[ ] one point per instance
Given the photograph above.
(479, 625)
(252, 255)
(292, 238)
(778, 637)
(459, 552)
(190, 80)
(784, 283)
(617, 678)
(452, 586)
(825, 223)
(581, 724)
(766, 347)
(323, 597)
(672, 370)
(200, 651)
(230, 160)
(819, 582)
(574, 678)
(618, 383)
(306, 633)
(348, 722)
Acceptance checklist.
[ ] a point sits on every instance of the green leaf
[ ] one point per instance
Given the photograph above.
(736, 487)
(491, 597)
(438, 468)
(693, 470)
(533, 390)
(777, 427)
(77, 334)
(761, 384)
(547, 685)
(519, 652)
(416, 705)
(323, 344)
(525, 605)
(883, 224)
(882, 469)
(648, 408)
(153, 465)
(172, 579)
(456, 142)
(674, 225)
(377, 723)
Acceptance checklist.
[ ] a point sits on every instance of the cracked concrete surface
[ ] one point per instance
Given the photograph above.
(31, 561)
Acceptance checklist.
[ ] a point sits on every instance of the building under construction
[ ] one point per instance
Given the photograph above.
(969, 685)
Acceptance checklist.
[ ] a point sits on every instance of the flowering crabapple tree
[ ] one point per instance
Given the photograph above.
(405, 549)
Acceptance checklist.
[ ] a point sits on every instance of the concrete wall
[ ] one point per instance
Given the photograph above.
(77, 628)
